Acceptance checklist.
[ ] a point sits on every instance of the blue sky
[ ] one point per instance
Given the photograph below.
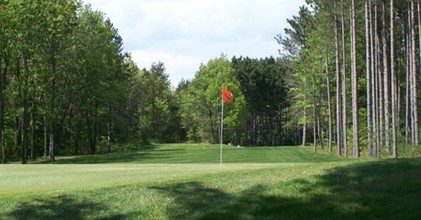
(186, 33)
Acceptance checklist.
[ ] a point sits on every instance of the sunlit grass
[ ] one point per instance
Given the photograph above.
(40, 179)
(205, 153)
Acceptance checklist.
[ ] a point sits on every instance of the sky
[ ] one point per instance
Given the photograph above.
(183, 34)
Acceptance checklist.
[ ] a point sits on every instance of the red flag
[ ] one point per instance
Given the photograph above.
(227, 95)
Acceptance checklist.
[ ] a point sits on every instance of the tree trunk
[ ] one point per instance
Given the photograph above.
(373, 70)
(52, 120)
(3, 71)
(329, 106)
(415, 72)
(376, 85)
(153, 119)
(314, 116)
(33, 127)
(109, 133)
(254, 128)
(18, 133)
(407, 80)
(320, 133)
(368, 76)
(379, 82)
(304, 129)
(354, 77)
(338, 87)
(91, 129)
(413, 79)
(46, 142)
(213, 129)
(393, 78)
(24, 133)
(386, 82)
(78, 136)
(51, 146)
(95, 129)
(25, 113)
(344, 108)
(25, 125)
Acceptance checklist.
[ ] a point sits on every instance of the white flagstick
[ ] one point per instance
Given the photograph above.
(222, 130)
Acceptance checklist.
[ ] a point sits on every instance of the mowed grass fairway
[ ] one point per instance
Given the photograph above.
(186, 181)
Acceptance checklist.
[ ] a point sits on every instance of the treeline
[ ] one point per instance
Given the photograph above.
(259, 113)
(346, 80)
(67, 87)
(64, 80)
(356, 82)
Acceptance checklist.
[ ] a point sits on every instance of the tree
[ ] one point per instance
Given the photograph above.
(386, 80)
(339, 82)
(60, 21)
(157, 107)
(344, 80)
(62, 63)
(4, 66)
(263, 85)
(294, 43)
(368, 29)
(354, 78)
(414, 92)
(393, 78)
(201, 103)
(411, 78)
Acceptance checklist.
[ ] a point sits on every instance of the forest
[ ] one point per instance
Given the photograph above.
(346, 80)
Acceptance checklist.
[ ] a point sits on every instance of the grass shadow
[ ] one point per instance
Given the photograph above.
(196, 201)
(371, 190)
(64, 207)
(388, 189)
(193, 200)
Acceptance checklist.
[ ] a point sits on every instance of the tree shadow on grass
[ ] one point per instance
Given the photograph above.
(390, 189)
(64, 207)
(374, 190)
(193, 200)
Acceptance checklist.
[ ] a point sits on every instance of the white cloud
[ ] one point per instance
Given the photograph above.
(185, 33)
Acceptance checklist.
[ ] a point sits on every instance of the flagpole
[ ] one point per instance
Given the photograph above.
(221, 132)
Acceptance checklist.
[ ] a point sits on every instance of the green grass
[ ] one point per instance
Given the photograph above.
(204, 154)
(187, 182)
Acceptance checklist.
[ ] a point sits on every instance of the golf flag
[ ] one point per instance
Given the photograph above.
(227, 96)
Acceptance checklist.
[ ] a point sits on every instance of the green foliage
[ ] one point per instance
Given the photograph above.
(157, 110)
(201, 102)
(66, 83)
(263, 85)
(309, 33)
(65, 75)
